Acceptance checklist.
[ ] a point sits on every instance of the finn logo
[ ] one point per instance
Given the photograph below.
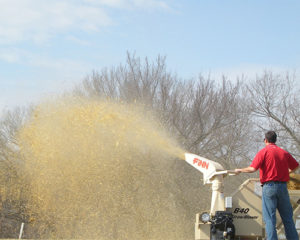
(200, 163)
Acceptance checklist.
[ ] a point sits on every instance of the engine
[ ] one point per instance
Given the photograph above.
(222, 226)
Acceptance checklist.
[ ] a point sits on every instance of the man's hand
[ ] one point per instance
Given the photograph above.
(237, 170)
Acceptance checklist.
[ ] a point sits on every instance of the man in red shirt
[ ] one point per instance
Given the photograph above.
(275, 165)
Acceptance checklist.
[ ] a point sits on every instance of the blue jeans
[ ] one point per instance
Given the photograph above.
(275, 195)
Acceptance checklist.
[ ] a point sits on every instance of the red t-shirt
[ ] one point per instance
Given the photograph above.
(274, 163)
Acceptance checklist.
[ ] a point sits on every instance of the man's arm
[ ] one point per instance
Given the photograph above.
(245, 170)
(291, 171)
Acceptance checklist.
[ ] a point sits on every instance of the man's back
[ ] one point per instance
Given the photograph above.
(274, 163)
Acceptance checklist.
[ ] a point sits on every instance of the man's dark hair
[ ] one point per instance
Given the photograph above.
(271, 136)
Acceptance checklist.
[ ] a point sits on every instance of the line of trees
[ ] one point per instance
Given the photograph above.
(221, 120)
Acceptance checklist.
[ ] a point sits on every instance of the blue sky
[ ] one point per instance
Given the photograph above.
(47, 46)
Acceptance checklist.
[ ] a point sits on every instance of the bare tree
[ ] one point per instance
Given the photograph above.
(12, 180)
(210, 119)
(275, 104)
(139, 81)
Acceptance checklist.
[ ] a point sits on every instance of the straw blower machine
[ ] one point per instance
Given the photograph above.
(238, 216)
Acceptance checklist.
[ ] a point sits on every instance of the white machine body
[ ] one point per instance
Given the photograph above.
(213, 173)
